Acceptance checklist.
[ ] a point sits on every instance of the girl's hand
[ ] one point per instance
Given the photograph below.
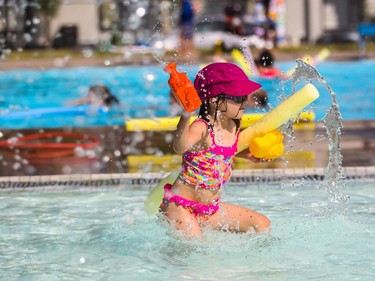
(258, 160)
(245, 154)
(186, 114)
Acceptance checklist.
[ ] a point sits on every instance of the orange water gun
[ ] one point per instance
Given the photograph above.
(182, 88)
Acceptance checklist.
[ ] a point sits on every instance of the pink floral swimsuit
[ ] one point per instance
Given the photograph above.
(207, 169)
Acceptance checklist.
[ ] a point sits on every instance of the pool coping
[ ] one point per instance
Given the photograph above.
(82, 182)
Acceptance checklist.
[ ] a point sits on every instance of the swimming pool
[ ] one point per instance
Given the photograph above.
(104, 234)
(143, 92)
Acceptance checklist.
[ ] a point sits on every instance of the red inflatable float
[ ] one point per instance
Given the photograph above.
(50, 145)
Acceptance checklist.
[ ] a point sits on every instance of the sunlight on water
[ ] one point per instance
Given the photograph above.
(107, 236)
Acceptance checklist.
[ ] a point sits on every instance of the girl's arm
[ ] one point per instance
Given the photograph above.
(187, 135)
(78, 101)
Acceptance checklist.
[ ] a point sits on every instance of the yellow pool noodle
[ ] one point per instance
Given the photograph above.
(170, 123)
(153, 124)
(321, 56)
(269, 122)
(279, 115)
(155, 196)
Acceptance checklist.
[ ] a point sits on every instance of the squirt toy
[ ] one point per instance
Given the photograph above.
(182, 88)
(269, 146)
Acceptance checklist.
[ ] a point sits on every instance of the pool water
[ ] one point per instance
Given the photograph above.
(105, 235)
(144, 92)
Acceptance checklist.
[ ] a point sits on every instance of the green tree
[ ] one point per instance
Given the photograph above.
(48, 10)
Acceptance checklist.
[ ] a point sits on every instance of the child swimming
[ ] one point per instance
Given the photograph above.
(208, 146)
(98, 95)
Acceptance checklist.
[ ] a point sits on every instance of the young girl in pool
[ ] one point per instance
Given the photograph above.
(209, 145)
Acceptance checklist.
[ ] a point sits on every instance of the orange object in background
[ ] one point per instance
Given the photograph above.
(269, 72)
(182, 88)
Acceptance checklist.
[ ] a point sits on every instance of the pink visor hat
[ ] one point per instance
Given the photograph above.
(223, 78)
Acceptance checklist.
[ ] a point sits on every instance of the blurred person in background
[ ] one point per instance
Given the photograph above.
(187, 26)
(265, 64)
(233, 18)
(259, 99)
(98, 95)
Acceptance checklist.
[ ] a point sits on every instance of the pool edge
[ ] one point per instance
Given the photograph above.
(148, 180)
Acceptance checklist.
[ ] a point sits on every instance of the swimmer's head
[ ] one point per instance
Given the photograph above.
(258, 99)
(101, 95)
(265, 59)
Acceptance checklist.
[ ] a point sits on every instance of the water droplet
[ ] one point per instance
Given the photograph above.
(67, 170)
(16, 166)
(129, 220)
(90, 153)
(87, 53)
(150, 77)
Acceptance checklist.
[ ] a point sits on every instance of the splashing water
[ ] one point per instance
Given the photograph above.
(249, 59)
(333, 124)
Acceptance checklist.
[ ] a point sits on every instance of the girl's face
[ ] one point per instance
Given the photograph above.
(94, 99)
(232, 107)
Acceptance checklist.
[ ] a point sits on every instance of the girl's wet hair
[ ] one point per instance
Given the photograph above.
(204, 114)
(105, 94)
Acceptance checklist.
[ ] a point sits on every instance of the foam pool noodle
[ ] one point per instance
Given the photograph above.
(321, 56)
(240, 60)
(182, 88)
(269, 122)
(269, 146)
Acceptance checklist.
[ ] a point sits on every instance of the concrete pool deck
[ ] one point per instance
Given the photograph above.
(148, 59)
(141, 158)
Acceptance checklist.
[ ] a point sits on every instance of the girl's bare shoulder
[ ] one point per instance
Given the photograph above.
(199, 136)
(198, 126)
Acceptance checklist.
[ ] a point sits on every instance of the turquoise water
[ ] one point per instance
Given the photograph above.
(105, 235)
(143, 92)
